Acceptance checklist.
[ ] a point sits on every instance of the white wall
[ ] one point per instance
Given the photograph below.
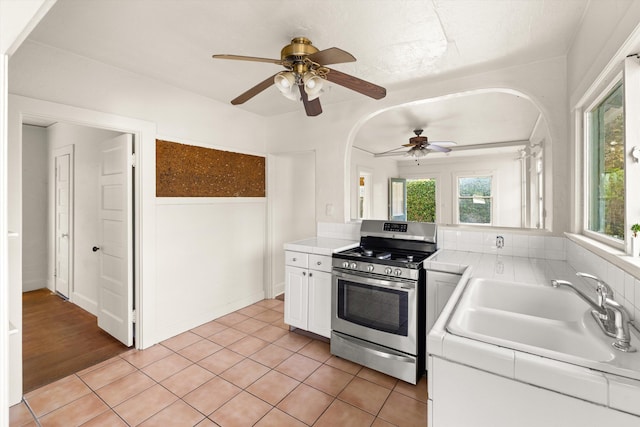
(604, 29)
(35, 170)
(292, 206)
(210, 259)
(381, 168)
(506, 170)
(86, 142)
(48, 74)
(16, 21)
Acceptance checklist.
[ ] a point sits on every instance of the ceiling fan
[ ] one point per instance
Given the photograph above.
(420, 146)
(306, 68)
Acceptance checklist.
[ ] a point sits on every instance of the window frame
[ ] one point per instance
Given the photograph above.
(456, 196)
(602, 94)
(605, 92)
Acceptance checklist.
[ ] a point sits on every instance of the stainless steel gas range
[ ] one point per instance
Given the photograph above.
(378, 298)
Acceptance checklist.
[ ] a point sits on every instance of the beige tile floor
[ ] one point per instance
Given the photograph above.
(243, 369)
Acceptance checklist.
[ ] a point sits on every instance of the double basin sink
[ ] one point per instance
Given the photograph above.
(542, 320)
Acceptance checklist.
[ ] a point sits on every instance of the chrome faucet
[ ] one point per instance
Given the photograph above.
(612, 317)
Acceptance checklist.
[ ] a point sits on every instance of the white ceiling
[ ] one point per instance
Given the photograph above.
(396, 43)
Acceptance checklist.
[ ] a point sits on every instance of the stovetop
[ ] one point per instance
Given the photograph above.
(389, 248)
(380, 255)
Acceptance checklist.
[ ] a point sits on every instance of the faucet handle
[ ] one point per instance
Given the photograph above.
(602, 288)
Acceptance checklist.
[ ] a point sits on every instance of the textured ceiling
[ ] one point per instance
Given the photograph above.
(395, 42)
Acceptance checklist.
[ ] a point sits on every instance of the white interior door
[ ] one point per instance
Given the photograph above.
(63, 180)
(115, 285)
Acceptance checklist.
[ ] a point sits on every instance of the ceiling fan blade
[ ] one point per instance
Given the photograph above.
(356, 84)
(253, 91)
(313, 108)
(438, 148)
(443, 143)
(248, 58)
(411, 144)
(333, 55)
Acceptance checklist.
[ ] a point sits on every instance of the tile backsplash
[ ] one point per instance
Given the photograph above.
(544, 247)
(348, 231)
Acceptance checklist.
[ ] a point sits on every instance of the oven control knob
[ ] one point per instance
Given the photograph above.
(388, 270)
(345, 264)
(370, 268)
(353, 265)
(398, 272)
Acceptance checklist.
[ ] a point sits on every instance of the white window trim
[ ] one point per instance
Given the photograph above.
(368, 199)
(456, 192)
(631, 138)
(596, 99)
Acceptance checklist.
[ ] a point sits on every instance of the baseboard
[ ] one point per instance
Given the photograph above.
(278, 289)
(32, 285)
(85, 303)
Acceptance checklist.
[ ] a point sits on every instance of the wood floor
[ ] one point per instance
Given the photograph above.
(59, 338)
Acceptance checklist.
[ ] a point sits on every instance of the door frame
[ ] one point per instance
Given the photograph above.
(66, 150)
(21, 108)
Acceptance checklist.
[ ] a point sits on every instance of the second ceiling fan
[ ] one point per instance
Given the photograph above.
(306, 70)
(420, 145)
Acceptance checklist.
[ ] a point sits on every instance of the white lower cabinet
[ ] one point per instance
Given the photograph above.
(307, 292)
(440, 286)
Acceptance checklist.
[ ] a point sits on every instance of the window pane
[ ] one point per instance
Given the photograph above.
(474, 213)
(421, 200)
(606, 166)
(474, 186)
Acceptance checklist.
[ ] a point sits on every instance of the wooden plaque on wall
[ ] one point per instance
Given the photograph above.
(190, 171)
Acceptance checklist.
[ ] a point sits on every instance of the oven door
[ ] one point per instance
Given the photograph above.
(380, 311)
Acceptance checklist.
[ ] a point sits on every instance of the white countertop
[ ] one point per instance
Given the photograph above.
(598, 386)
(321, 245)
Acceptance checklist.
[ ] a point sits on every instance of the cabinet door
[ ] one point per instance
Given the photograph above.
(440, 286)
(296, 296)
(320, 303)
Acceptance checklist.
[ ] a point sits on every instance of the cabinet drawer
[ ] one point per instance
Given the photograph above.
(320, 262)
(296, 259)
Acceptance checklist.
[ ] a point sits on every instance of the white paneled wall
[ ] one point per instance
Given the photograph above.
(210, 259)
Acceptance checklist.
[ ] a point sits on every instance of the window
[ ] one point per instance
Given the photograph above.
(475, 202)
(364, 194)
(421, 200)
(605, 166)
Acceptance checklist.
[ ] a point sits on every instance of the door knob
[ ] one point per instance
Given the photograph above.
(64, 235)
(95, 249)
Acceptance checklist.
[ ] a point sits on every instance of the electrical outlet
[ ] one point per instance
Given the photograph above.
(499, 242)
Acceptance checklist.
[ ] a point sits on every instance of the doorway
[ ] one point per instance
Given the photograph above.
(75, 225)
(24, 109)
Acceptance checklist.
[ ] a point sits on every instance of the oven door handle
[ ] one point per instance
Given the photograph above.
(400, 285)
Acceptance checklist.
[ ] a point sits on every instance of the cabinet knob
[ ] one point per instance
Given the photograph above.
(319, 263)
(310, 274)
(295, 259)
(304, 273)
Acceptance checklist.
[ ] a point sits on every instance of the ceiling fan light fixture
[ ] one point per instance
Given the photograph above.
(285, 80)
(312, 84)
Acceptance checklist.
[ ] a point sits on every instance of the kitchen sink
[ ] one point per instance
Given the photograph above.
(538, 319)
